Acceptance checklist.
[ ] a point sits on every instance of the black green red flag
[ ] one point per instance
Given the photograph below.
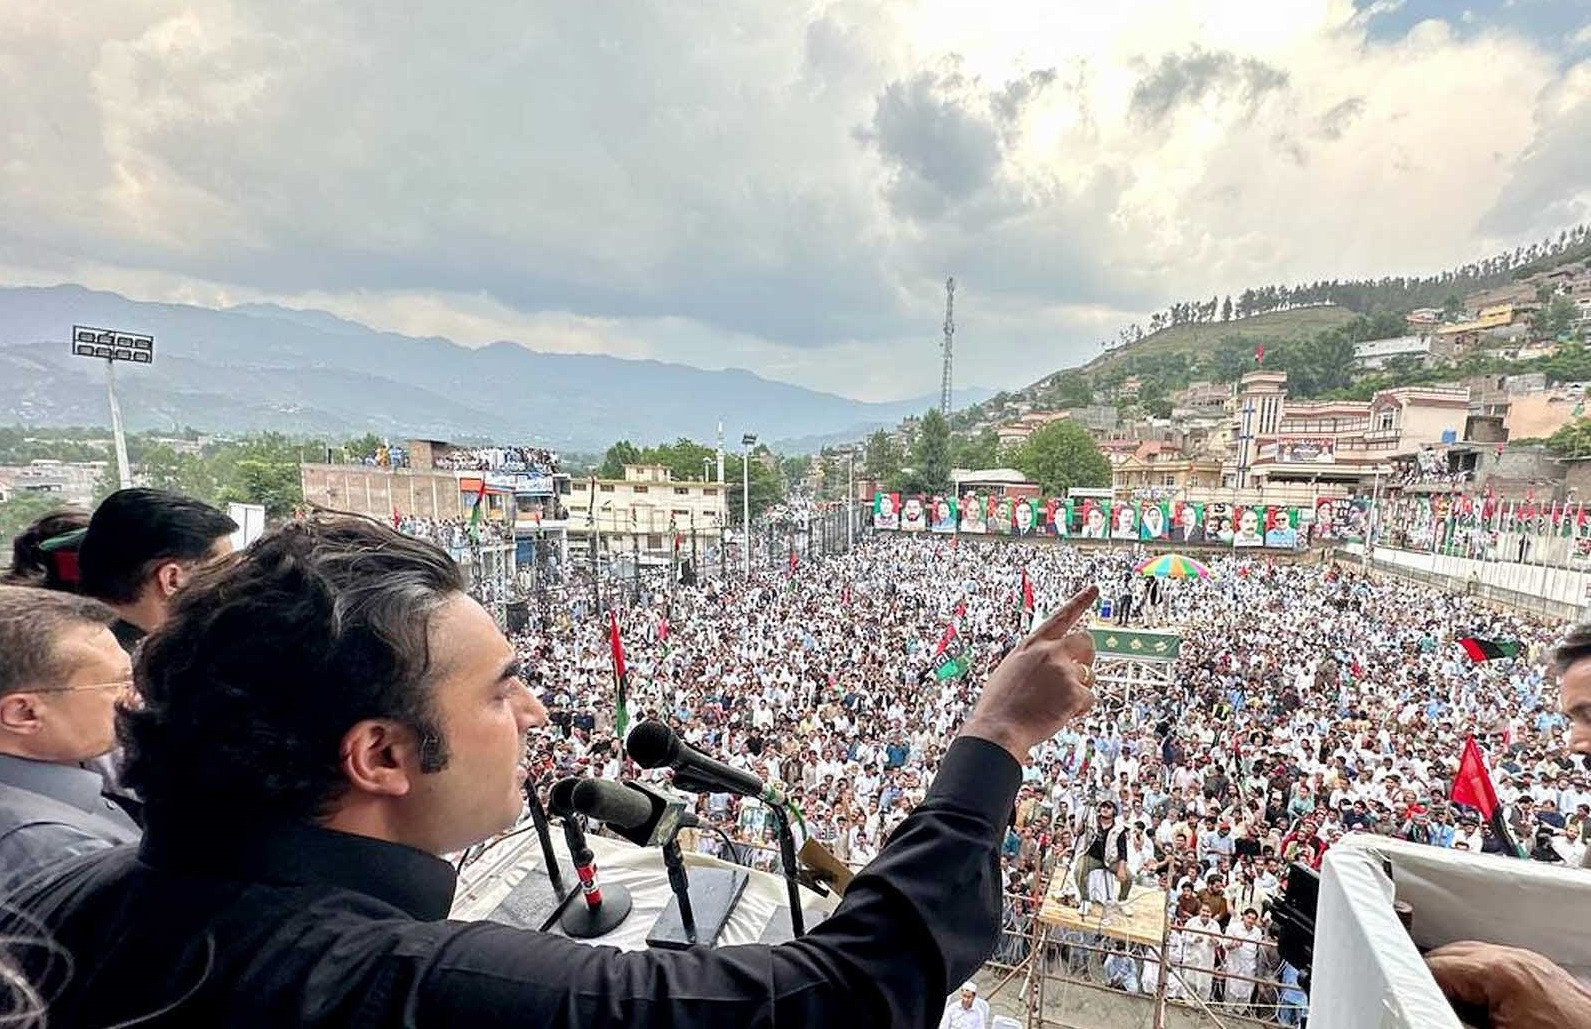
(1488, 650)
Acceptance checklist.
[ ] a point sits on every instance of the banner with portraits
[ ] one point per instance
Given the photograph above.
(886, 510)
(1150, 521)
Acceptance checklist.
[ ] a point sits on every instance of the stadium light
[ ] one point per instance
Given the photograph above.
(747, 441)
(110, 346)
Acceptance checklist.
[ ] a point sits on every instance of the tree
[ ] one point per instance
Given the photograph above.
(931, 454)
(1573, 440)
(980, 451)
(1072, 389)
(23, 509)
(1559, 317)
(1226, 310)
(883, 457)
(1062, 455)
(620, 454)
(766, 487)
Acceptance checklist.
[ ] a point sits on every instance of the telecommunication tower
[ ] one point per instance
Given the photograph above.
(950, 335)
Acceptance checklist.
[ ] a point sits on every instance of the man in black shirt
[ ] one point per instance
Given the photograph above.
(142, 545)
(324, 718)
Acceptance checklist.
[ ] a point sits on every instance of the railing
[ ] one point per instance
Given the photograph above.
(1094, 960)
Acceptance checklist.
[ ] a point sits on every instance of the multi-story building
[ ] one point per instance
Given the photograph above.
(1015, 433)
(1373, 355)
(1339, 441)
(72, 482)
(646, 515)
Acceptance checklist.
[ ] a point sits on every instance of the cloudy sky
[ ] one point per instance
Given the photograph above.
(779, 185)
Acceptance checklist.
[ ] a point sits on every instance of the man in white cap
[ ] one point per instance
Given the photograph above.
(966, 1010)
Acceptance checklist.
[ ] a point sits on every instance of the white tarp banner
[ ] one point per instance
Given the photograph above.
(251, 523)
(1368, 970)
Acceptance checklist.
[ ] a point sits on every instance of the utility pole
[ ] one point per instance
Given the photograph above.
(950, 333)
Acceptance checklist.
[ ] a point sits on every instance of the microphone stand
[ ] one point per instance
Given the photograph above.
(787, 859)
(538, 815)
(600, 914)
(679, 882)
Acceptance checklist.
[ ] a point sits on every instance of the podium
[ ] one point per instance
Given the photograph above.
(1368, 970)
(509, 879)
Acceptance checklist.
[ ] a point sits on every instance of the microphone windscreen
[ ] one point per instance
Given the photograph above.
(652, 744)
(612, 803)
(561, 801)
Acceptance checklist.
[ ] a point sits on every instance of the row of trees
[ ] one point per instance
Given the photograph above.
(1404, 293)
(1057, 456)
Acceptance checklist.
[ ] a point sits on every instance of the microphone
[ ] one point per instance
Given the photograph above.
(644, 816)
(595, 919)
(654, 745)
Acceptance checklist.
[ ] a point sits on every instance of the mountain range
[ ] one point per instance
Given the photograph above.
(259, 367)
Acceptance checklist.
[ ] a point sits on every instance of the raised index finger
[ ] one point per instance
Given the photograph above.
(1061, 622)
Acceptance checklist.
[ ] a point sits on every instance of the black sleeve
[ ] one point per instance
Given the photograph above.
(921, 918)
(1121, 847)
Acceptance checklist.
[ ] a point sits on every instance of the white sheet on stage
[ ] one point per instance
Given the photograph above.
(488, 881)
(1368, 971)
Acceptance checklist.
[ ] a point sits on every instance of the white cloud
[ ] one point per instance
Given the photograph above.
(763, 184)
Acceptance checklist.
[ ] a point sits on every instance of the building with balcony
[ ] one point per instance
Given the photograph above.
(1339, 441)
(646, 516)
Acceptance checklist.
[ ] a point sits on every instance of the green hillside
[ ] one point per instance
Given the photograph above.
(1196, 339)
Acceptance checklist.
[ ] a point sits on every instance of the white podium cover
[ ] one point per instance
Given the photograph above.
(1368, 971)
(487, 881)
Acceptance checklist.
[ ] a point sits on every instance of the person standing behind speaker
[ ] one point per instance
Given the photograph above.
(142, 546)
(61, 674)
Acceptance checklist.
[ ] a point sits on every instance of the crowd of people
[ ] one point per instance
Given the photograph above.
(455, 535)
(531, 460)
(1309, 702)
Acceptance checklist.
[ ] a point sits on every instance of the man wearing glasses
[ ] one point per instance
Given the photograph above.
(61, 674)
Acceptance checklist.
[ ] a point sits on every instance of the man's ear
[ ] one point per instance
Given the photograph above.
(380, 757)
(19, 714)
(169, 577)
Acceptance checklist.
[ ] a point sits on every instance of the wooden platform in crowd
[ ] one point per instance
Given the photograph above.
(1140, 919)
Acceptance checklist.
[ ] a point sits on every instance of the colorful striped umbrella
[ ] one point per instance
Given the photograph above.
(1173, 566)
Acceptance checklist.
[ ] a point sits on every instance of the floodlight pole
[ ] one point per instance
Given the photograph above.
(124, 473)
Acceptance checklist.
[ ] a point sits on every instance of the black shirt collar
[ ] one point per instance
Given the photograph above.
(127, 634)
(294, 853)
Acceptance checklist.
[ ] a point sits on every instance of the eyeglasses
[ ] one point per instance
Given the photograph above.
(122, 684)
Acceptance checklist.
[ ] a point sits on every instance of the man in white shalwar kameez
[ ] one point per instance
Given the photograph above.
(1241, 952)
(1203, 932)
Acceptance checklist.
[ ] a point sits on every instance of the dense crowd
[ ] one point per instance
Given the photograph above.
(1309, 701)
(454, 534)
(532, 460)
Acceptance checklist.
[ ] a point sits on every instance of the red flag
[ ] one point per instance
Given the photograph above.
(1472, 786)
(1027, 592)
(792, 561)
(1259, 354)
(845, 596)
(616, 645)
(950, 630)
(662, 628)
(397, 518)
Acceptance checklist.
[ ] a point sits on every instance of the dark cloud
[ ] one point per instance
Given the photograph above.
(945, 137)
(1186, 78)
(1337, 120)
(942, 149)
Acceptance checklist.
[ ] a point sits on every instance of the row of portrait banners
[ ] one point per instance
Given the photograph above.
(1461, 525)
(1174, 521)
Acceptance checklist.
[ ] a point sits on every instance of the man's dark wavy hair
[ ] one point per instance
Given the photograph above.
(269, 658)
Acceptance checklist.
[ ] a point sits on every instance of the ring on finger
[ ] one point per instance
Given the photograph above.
(1085, 675)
